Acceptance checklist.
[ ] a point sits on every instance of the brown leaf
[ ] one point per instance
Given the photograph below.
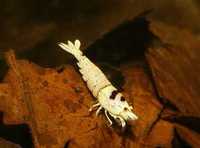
(176, 79)
(47, 101)
(55, 106)
(161, 135)
(139, 88)
(176, 68)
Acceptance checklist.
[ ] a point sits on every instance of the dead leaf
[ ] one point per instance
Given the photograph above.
(175, 67)
(57, 114)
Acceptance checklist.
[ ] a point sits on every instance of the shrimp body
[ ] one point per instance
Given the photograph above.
(92, 75)
(107, 95)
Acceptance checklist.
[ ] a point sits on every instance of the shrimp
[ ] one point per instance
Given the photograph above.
(108, 97)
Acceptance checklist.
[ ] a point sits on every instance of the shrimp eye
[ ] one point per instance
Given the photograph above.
(125, 108)
(122, 99)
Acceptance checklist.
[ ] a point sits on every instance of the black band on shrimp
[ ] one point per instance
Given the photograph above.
(113, 94)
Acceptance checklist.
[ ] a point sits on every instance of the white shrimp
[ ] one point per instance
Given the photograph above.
(107, 95)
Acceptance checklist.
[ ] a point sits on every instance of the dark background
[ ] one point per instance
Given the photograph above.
(36, 26)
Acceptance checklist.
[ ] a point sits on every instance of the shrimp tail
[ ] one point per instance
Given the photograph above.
(73, 49)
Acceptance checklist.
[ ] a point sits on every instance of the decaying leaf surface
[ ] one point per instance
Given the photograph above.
(138, 86)
(49, 103)
(55, 103)
(158, 138)
(176, 68)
